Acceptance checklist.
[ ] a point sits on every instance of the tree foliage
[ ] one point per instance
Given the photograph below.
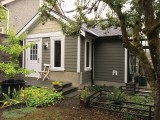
(139, 19)
(3, 13)
(12, 46)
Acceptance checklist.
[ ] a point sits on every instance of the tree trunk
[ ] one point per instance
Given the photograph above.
(157, 101)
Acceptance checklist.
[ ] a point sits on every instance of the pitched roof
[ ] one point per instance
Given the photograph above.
(97, 31)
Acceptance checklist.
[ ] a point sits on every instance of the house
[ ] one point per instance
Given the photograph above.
(20, 12)
(94, 57)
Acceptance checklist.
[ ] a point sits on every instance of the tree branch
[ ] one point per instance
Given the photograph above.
(155, 27)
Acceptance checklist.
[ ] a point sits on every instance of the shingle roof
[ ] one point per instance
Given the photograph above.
(97, 31)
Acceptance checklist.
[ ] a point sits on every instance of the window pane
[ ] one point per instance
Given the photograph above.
(87, 54)
(33, 52)
(57, 54)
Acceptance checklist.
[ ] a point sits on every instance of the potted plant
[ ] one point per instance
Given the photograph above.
(11, 69)
(84, 97)
(57, 84)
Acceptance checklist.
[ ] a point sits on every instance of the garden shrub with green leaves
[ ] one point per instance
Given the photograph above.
(117, 95)
(84, 95)
(147, 100)
(39, 97)
(16, 98)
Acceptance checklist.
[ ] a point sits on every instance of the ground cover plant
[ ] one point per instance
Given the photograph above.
(18, 113)
(39, 97)
(31, 96)
(68, 109)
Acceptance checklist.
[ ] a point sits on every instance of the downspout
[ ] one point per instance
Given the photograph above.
(92, 71)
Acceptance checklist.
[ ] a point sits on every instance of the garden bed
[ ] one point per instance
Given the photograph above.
(68, 109)
(131, 109)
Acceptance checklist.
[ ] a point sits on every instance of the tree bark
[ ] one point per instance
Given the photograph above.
(151, 26)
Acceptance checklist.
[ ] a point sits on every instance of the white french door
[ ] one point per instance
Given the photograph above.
(34, 57)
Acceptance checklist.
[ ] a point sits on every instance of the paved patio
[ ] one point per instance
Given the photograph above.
(39, 83)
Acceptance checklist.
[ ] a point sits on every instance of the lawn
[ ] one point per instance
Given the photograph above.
(68, 109)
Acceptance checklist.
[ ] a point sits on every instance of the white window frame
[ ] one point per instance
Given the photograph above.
(53, 39)
(2, 30)
(90, 55)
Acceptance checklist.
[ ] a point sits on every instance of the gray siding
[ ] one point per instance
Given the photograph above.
(82, 53)
(70, 54)
(109, 55)
(21, 12)
(46, 52)
(86, 75)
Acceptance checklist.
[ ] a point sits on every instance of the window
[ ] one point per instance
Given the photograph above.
(33, 52)
(57, 53)
(88, 54)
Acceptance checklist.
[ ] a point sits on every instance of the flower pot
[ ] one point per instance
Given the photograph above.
(13, 85)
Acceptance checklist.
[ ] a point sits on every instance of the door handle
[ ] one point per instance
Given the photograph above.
(38, 60)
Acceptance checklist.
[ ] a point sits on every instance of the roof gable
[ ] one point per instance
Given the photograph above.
(56, 15)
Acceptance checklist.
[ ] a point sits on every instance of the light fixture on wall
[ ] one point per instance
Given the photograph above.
(45, 45)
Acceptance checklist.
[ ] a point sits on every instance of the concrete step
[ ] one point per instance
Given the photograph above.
(73, 94)
(69, 90)
(66, 84)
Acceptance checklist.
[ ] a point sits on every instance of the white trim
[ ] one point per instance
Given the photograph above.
(40, 51)
(90, 55)
(29, 24)
(53, 39)
(78, 53)
(60, 9)
(83, 33)
(41, 3)
(80, 78)
(125, 65)
(6, 2)
(23, 56)
(59, 18)
(49, 34)
(93, 61)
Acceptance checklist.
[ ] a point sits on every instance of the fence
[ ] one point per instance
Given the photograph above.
(139, 111)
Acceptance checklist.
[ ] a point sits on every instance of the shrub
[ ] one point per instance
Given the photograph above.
(141, 99)
(7, 101)
(117, 95)
(12, 46)
(57, 82)
(85, 93)
(38, 97)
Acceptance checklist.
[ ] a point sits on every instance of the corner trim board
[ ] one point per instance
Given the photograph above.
(125, 66)
(78, 53)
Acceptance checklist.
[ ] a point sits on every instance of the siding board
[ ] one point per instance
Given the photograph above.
(109, 55)
(46, 53)
(71, 54)
(50, 26)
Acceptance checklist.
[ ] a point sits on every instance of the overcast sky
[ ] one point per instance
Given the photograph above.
(67, 6)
